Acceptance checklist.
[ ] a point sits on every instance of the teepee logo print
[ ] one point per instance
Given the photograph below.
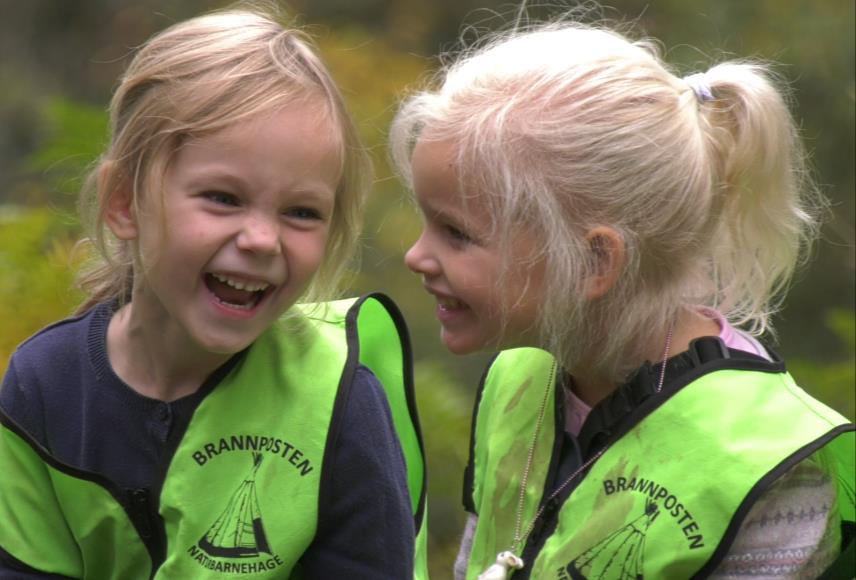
(620, 555)
(239, 531)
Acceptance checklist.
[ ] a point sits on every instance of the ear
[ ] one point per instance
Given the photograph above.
(117, 198)
(608, 255)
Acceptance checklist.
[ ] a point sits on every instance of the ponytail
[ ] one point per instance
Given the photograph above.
(769, 207)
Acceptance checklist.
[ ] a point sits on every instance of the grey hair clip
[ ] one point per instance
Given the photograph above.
(698, 83)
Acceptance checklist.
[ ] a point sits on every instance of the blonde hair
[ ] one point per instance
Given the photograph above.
(198, 77)
(565, 127)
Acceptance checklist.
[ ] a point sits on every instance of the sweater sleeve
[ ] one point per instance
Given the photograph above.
(20, 404)
(366, 528)
(792, 531)
(462, 560)
(12, 569)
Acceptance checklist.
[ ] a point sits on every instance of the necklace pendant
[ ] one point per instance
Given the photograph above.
(505, 562)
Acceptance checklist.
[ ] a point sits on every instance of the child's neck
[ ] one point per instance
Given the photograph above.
(152, 362)
(592, 388)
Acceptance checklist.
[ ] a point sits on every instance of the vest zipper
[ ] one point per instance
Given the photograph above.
(139, 504)
(143, 513)
(703, 359)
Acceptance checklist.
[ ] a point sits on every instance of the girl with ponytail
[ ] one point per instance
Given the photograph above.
(622, 234)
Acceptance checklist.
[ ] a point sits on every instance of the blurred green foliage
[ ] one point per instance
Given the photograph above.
(832, 381)
(54, 127)
(38, 265)
(76, 136)
(445, 410)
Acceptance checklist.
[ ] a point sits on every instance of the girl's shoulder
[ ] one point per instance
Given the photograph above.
(58, 340)
(61, 358)
(48, 371)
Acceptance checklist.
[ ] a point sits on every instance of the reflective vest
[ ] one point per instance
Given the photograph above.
(241, 493)
(667, 497)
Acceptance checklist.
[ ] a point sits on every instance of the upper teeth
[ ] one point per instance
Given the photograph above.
(449, 302)
(240, 285)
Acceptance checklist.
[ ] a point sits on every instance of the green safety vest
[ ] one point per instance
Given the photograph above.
(667, 498)
(241, 493)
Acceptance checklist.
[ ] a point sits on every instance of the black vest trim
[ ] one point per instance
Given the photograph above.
(10, 561)
(352, 361)
(469, 470)
(758, 489)
(627, 406)
(409, 389)
(140, 504)
(122, 496)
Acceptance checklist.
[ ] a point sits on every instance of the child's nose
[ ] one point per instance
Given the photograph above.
(260, 236)
(420, 260)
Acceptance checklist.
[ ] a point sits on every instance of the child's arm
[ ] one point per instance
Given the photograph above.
(792, 531)
(365, 527)
(463, 558)
(15, 405)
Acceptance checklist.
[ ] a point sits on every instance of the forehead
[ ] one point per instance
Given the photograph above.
(295, 146)
(436, 176)
(431, 157)
(288, 123)
(443, 193)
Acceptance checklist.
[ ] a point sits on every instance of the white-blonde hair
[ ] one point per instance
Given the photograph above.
(197, 77)
(565, 127)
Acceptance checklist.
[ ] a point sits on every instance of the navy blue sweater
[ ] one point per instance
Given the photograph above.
(60, 389)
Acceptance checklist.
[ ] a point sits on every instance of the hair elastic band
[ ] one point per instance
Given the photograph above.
(698, 83)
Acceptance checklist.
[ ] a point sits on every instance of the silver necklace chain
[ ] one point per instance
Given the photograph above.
(518, 537)
(522, 496)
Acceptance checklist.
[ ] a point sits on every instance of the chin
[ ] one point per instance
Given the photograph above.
(461, 347)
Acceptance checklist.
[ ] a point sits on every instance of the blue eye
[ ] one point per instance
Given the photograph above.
(222, 198)
(457, 235)
(304, 213)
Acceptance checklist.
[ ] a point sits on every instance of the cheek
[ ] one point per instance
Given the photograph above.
(165, 231)
(483, 277)
(309, 248)
(499, 303)
(521, 291)
(172, 246)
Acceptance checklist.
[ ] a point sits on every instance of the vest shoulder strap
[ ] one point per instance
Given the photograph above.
(377, 338)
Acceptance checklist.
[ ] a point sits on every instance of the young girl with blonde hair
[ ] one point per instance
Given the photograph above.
(623, 234)
(191, 421)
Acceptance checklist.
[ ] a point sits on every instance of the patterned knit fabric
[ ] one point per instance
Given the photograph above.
(791, 532)
(788, 534)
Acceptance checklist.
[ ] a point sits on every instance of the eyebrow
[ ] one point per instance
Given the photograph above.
(445, 216)
(212, 176)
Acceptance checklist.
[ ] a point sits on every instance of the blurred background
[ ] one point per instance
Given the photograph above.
(59, 60)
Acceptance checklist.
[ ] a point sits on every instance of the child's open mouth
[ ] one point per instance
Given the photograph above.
(450, 303)
(235, 292)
